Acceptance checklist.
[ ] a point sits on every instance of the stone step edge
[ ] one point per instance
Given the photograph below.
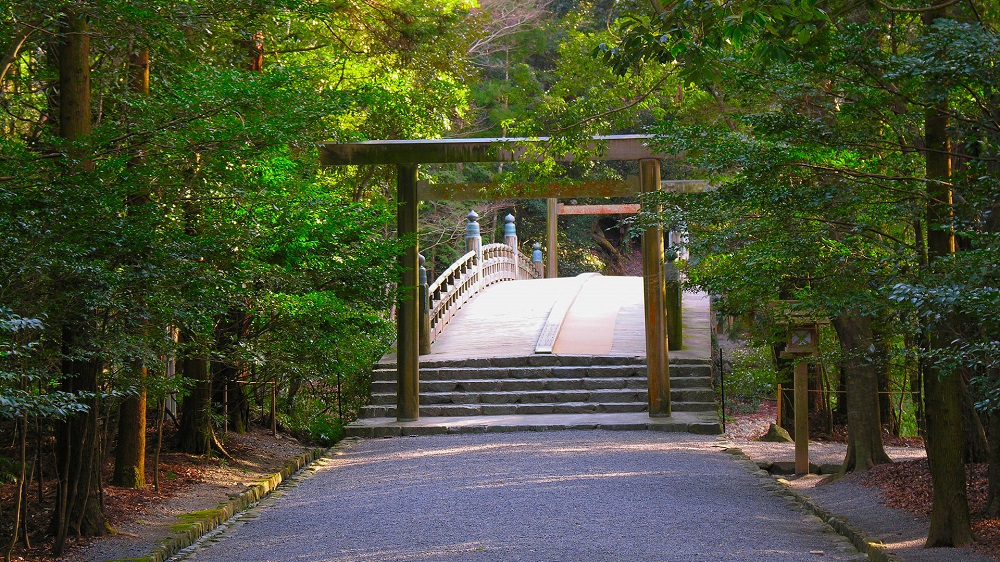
(544, 361)
(677, 406)
(231, 508)
(382, 431)
(557, 372)
(389, 386)
(690, 390)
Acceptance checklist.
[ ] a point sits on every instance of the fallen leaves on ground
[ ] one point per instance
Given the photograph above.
(907, 486)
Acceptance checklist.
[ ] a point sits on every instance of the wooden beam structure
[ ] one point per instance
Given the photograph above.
(628, 187)
(547, 190)
(407, 155)
(454, 151)
(620, 209)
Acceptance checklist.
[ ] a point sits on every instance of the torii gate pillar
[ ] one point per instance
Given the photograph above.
(654, 298)
(408, 310)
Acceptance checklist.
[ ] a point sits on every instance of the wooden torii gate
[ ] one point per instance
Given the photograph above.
(407, 155)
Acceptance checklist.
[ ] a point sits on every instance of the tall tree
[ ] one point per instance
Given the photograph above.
(130, 452)
(78, 461)
(950, 523)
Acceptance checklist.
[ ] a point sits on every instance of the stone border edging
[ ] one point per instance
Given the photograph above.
(229, 509)
(858, 538)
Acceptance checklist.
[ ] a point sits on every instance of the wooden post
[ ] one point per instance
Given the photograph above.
(551, 241)
(225, 408)
(675, 328)
(653, 298)
(777, 422)
(801, 394)
(536, 259)
(425, 311)
(407, 312)
(274, 408)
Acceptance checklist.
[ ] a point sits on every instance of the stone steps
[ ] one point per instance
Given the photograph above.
(456, 373)
(457, 410)
(546, 396)
(540, 385)
(525, 385)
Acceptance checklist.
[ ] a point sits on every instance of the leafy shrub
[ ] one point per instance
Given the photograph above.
(750, 378)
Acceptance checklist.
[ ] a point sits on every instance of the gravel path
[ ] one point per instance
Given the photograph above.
(572, 495)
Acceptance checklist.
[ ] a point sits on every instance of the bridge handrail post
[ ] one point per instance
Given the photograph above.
(474, 243)
(425, 310)
(510, 239)
(537, 260)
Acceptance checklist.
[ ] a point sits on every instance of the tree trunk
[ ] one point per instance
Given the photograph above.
(22, 488)
(294, 385)
(783, 368)
(78, 501)
(977, 448)
(130, 452)
(79, 508)
(992, 508)
(950, 521)
(227, 373)
(864, 428)
(195, 435)
(881, 361)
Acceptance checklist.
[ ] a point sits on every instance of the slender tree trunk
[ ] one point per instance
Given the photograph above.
(159, 444)
(864, 428)
(950, 521)
(79, 509)
(130, 454)
(992, 508)
(881, 362)
(977, 447)
(294, 385)
(21, 487)
(784, 369)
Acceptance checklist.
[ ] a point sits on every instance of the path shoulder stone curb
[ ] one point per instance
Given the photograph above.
(210, 519)
(858, 538)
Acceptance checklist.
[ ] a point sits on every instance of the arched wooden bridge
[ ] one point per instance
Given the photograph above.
(506, 349)
(526, 350)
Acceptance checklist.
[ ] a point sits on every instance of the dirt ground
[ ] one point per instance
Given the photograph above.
(188, 483)
(904, 484)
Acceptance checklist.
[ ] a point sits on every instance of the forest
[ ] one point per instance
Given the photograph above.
(169, 243)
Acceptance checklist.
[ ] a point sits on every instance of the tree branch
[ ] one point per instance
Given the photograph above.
(16, 43)
(612, 111)
(918, 10)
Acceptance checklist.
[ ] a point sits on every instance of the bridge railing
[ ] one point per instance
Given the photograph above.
(479, 268)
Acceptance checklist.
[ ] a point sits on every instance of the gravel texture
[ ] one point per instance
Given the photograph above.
(572, 495)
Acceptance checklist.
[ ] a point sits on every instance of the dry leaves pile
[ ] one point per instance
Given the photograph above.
(907, 486)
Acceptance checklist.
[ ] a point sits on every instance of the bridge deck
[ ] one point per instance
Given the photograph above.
(605, 317)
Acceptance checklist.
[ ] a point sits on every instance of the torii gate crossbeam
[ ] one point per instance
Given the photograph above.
(407, 155)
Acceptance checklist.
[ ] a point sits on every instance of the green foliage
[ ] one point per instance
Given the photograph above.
(203, 196)
(750, 378)
(815, 152)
